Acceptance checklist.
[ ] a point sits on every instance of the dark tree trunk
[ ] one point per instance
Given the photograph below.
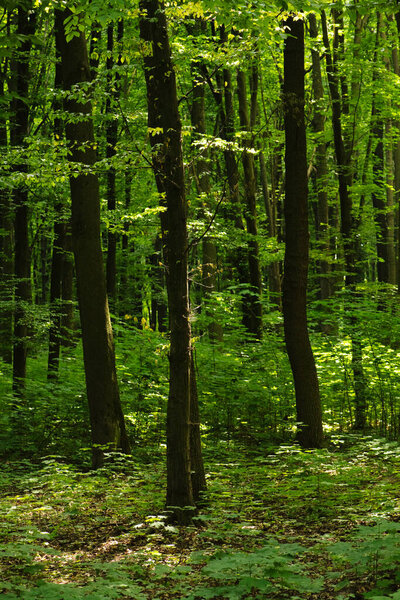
(22, 255)
(159, 309)
(107, 422)
(111, 141)
(321, 171)
(203, 184)
(199, 485)
(348, 225)
(6, 250)
(274, 269)
(166, 142)
(297, 239)
(59, 241)
(55, 297)
(255, 305)
(67, 291)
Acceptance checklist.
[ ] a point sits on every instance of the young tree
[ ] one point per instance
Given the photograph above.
(106, 418)
(294, 300)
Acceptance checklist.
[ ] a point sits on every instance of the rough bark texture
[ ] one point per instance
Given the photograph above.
(297, 241)
(107, 422)
(22, 255)
(166, 141)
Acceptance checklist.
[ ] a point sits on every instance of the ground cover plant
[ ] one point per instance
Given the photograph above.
(278, 523)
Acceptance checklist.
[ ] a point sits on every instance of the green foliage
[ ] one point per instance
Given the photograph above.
(267, 570)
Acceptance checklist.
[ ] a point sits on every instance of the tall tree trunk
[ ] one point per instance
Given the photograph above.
(274, 269)
(106, 418)
(255, 308)
(321, 170)
(202, 177)
(67, 291)
(165, 136)
(111, 142)
(297, 239)
(22, 255)
(59, 240)
(223, 97)
(348, 225)
(6, 248)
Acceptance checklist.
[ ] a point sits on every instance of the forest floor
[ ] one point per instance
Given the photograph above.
(282, 523)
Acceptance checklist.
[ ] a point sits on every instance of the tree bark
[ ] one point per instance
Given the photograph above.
(111, 142)
(202, 177)
(22, 255)
(106, 418)
(165, 137)
(6, 248)
(297, 239)
(254, 298)
(59, 243)
(321, 170)
(348, 225)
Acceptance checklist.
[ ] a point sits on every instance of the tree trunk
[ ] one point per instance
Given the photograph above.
(348, 225)
(111, 142)
(254, 298)
(22, 255)
(67, 291)
(6, 250)
(202, 177)
(59, 242)
(165, 137)
(321, 171)
(107, 422)
(199, 485)
(297, 239)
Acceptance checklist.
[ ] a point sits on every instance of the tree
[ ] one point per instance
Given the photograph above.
(294, 299)
(165, 137)
(19, 126)
(106, 418)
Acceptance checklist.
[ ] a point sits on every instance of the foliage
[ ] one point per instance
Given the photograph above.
(280, 522)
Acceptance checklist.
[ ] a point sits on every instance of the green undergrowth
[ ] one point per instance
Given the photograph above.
(279, 523)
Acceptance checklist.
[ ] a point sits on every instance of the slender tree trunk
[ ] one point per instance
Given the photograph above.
(297, 239)
(22, 255)
(159, 309)
(165, 137)
(254, 298)
(55, 297)
(321, 170)
(107, 422)
(202, 177)
(67, 291)
(274, 269)
(389, 178)
(59, 240)
(6, 249)
(111, 141)
(348, 225)
(198, 476)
